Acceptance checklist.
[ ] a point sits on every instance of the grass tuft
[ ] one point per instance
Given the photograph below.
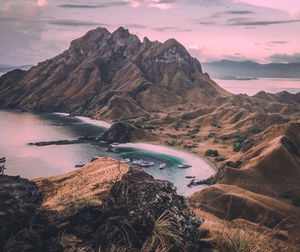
(165, 236)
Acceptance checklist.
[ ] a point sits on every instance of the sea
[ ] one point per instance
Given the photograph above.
(253, 86)
(18, 129)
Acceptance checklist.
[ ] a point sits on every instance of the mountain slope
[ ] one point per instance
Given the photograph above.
(102, 72)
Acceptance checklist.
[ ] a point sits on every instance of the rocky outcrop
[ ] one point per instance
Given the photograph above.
(119, 132)
(131, 216)
(20, 214)
(138, 212)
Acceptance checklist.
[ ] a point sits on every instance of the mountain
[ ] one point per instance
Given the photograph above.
(109, 75)
(7, 68)
(228, 69)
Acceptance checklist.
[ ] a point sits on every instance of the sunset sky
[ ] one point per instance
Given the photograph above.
(260, 30)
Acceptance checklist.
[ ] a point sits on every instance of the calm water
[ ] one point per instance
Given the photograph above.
(17, 129)
(251, 87)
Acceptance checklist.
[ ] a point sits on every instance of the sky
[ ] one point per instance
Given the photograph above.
(261, 30)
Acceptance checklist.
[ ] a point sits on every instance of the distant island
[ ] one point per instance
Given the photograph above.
(232, 70)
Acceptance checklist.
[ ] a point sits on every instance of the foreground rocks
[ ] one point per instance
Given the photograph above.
(138, 213)
(19, 212)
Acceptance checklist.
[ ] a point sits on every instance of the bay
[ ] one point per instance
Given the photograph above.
(17, 129)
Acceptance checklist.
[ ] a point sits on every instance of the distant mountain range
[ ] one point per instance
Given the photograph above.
(7, 68)
(228, 69)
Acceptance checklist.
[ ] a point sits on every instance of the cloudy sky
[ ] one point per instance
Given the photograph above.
(261, 30)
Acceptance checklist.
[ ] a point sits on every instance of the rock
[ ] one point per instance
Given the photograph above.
(22, 227)
(19, 204)
(147, 199)
(118, 132)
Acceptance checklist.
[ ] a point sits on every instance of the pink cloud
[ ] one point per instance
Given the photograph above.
(42, 3)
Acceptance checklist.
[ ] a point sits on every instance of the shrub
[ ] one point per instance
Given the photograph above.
(256, 130)
(220, 159)
(172, 143)
(238, 142)
(211, 153)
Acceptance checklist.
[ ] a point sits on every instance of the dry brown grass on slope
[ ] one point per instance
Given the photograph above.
(244, 236)
(87, 185)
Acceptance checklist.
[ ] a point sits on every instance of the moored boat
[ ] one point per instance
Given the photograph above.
(125, 160)
(162, 166)
(79, 164)
(183, 166)
(2, 159)
(142, 163)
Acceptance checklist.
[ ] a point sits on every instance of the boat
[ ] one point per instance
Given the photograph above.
(183, 166)
(146, 163)
(142, 163)
(114, 144)
(3, 159)
(125, 160)
(79, 164)
(190, 177)
(162, 166)
(136, 162)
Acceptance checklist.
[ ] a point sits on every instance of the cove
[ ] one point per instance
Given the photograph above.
(17, 129)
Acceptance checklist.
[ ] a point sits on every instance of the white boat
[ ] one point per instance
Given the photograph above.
(183, 166)
(79, 164)
(136, 162)
(114, 144)
(125, 160)
(162, 166)
(146, 163)
(142, 163)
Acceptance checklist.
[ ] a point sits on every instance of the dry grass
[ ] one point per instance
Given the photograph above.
(165, 236)
(89, 184)
(244, 239)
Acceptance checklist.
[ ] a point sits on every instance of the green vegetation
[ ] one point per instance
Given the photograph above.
(220, 159)
(211, 153)
(172, 143)
(238, 142)
(211, 134)
(256, 130)
(81, 202)
(126, 118)
(296, 201)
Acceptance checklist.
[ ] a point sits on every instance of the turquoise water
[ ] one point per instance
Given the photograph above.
(17, 129)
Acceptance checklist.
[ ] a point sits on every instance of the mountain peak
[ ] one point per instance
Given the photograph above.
(121, 30)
